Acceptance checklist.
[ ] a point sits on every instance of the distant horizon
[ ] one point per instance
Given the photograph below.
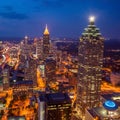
(52, 38)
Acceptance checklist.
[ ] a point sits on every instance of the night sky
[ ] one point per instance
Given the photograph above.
(65, 18)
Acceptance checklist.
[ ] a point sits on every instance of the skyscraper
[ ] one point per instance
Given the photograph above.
(5, 74)
(39, 48)
(31, 71)
(54, 106)
(46, 43)
(1, 52)
(50, 71)
(90, 58)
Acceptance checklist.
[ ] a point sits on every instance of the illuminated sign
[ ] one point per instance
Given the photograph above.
(110, 105)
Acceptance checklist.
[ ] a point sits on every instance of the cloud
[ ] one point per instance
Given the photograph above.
(13, 15)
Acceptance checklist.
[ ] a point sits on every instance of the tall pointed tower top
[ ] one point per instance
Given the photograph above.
(92, 19)
(46, 32)
(91, 30)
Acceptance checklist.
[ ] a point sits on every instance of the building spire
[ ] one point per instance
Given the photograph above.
(26, 37)
(91, 30)
(46, 32)
(92, 19)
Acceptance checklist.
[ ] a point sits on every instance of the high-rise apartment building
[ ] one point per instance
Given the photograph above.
(90, 60)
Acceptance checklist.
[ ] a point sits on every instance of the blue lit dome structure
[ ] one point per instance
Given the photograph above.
(110, 105)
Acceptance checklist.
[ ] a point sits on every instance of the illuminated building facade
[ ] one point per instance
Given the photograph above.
(58, 57)
(1, 60)
(46, 43)
(24, 50)
(50, 71)
(31, 71)
(27, 62)
(39, 48)
(5, 74)
(56, 106)
(1, 52)
(26, 47)
(109, 110)
(90, 64)
(1, 79)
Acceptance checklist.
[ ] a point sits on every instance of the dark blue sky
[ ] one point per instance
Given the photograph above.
(65, 18)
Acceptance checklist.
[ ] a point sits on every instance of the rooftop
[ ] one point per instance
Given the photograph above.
(114, 96)
(23, 82)
(54, 98)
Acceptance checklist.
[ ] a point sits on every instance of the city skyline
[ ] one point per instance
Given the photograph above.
(43, 77)
(64, 18)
